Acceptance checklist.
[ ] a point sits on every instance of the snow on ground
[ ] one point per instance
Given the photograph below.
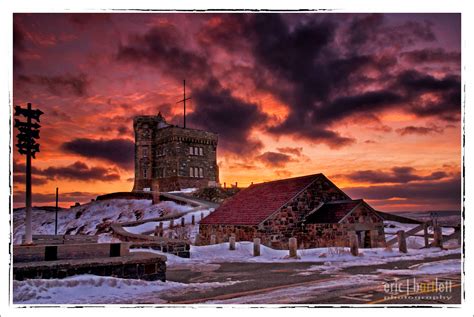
(149, 226)
(92, 218)
(92, 289)
(333, 258)
(438, 267)
(184, 191)
(392, 227)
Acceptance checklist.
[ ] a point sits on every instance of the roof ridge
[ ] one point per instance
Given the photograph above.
(288, 179)
(343, 201)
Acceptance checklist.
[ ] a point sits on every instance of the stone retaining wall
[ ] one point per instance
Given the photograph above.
(137, 265)
(31, 253)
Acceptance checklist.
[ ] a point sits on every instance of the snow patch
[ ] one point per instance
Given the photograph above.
(91, 289)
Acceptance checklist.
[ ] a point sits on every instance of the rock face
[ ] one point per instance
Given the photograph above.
(169, 157)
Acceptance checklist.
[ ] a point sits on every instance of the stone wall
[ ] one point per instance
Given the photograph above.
(28, 253)
(143, 266)
(308, 236)
(287, 222)
(163, 159)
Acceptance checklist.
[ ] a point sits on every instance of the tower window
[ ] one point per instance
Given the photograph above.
(196, 172)
(200, 151)
(191, 172)
(201, 175)
(144, 173)
(145, 152)
(191, 151)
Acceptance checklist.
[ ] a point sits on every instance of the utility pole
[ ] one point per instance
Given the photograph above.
(184, 102)
(56, 218)
(27, 145)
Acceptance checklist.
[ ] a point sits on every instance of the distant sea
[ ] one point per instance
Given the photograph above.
(450, 217)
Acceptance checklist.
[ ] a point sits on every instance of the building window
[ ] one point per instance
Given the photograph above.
(191, 172)
(194, 150)
(201, 173)
(196, 172)
(144, 173)
(145, 152)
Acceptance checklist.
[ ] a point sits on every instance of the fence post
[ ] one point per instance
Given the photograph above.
(354, 244)
(256, 247)
(182, 222)
(158, 231)
(232, 243)
(438, 237)
(293, 246)
(402, 242)
(425, 234)
(193, 221)
(171, 223)
(202, 215)
(170, 235)
(213, 239)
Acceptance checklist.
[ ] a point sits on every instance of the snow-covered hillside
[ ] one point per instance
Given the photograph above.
(92, 218)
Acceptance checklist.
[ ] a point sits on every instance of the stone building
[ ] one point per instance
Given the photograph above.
(168, 157)
(310, 208)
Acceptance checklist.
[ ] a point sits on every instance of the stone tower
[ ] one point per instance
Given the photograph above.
(169, 157)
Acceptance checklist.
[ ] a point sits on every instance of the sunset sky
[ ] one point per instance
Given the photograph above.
(373, 101)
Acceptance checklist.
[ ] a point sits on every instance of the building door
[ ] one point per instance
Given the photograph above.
(364, 238)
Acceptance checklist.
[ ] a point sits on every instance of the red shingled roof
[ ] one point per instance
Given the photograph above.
(332, 212)
(254, 204)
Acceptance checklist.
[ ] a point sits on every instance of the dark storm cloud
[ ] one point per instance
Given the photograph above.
(19, 197)
(59, 85)
(274, 159)
(402, 175)
(20, 179)
(419, 130)
(372, 31)
(446, 191)
(415, 82)
(297, 151)
(319, 66)
(76, 171)
(80, 171)
(447, 92)
(18, 45)
(431, 55)
(346, 106)
(161, 47)
(216, 109)
(116, 151)
(87, 19)
(304, 66)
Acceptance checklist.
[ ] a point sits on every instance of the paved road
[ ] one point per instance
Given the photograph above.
(296, 283)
